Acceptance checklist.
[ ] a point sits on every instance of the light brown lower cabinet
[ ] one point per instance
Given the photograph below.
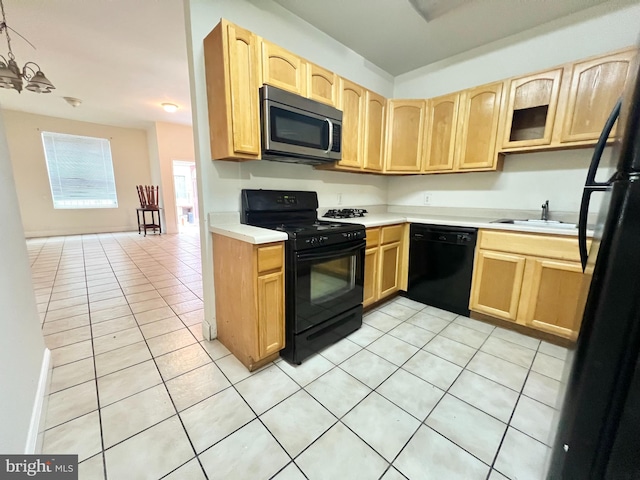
(249, 282)
(530, 279)
(370, 276)
(385, 262)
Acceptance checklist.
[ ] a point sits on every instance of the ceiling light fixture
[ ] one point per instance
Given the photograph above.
(10, 74)
(74, 102)
(168, 107)
(432, 9)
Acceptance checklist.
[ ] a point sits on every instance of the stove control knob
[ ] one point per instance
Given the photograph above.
(313, 240)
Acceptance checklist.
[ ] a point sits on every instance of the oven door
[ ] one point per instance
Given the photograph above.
(328, 282)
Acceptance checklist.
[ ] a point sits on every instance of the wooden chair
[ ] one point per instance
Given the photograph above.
(148, 195)
(149, 198)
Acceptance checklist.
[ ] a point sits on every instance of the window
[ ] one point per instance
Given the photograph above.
(181, 187)
(80, 171)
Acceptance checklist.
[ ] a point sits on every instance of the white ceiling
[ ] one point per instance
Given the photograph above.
(123, 58)
(392, 35)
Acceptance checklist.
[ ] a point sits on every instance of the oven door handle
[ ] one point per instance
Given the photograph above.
(316, 255)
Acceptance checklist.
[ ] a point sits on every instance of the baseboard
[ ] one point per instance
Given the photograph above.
(37, 417)
(79, 231)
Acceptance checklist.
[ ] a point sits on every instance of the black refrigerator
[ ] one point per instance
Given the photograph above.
(598, 433)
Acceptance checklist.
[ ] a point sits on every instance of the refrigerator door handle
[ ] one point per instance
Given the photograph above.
(591, 185)
(582, 221)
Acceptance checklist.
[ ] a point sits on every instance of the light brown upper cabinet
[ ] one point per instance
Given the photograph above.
(595, 87)
(374, 124)
(530, 110)
(441, 133)
(405, 135)
(352, 99)
(478, 127)
(283, 69)
(322, 85)
(232, 66)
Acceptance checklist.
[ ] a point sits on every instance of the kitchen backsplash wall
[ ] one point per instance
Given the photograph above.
(526, 181)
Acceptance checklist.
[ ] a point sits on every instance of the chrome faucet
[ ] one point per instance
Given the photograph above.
(545, 211)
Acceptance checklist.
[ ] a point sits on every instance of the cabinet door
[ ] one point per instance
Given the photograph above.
(232, 65)
(388, 269)
(441, 133)
(374, 123)
(405, 135)
(552, 303)
(595, 87)
(496, 284)
(478, 127)
(352, 106)
(283, 69)
(370, 276)
(531, 109)
(270, 313)
(322, 85)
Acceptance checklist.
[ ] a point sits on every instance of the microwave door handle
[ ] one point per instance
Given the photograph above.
(330, 135)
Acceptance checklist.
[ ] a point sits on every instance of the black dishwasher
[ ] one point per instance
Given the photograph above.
(441, 265)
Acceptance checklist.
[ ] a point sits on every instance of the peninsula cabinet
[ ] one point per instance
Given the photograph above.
(232, 67)
(249, 282)
(478, 127)
(405, 135)
(322, 85)
(595, 86)
(530, 279)
(352, 104)
(283, 69)
(384, 262)
(442, 125)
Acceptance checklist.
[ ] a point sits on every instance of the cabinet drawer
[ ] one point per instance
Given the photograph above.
(391, 234)
(270, 258)
(373, 237)
(548, 246)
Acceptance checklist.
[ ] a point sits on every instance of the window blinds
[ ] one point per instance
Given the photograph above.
(80, 171)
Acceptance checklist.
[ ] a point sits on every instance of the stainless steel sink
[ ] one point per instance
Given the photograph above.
(537, 223)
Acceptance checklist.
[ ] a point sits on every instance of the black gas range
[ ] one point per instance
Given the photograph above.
(324, 269)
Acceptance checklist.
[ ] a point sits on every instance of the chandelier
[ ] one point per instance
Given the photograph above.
(10, 74)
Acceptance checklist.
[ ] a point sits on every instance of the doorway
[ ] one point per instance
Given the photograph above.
(186, 192)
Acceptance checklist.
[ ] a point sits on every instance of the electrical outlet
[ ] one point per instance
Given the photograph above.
(428, 198)
(339, 199)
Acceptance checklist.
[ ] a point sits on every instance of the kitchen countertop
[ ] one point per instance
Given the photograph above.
(248, 233)
(381, 219)
(257, 235)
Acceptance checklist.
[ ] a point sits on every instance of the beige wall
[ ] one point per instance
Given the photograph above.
(21, 344)
(130, 164)
(174, 142)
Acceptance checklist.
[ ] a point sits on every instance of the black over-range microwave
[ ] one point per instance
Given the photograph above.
(297, 129)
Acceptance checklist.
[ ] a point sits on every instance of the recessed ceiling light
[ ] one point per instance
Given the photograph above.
(169, 107)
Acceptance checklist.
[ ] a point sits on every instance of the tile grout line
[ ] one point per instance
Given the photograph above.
(153, 358)
(439, 401)
(504, 435)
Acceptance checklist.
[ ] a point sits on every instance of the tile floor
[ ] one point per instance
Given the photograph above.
(416, 393)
